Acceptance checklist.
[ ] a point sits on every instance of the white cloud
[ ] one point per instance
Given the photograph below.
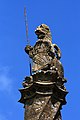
(5, 81)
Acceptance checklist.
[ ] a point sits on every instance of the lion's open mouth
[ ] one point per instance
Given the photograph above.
(39, 33)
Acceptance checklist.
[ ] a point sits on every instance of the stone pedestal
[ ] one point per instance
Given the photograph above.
(43, 98)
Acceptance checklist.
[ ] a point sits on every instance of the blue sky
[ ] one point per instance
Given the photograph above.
(63, 18)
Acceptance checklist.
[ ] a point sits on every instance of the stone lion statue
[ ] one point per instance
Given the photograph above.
(44, 54)
(44, 92)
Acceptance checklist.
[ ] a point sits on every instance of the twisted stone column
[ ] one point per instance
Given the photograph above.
(43, 109)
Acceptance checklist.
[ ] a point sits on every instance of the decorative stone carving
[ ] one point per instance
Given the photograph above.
(44, 93)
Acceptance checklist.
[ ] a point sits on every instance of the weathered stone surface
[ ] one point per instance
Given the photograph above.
(44, 93)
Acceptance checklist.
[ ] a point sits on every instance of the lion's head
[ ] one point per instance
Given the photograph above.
(43, 31)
